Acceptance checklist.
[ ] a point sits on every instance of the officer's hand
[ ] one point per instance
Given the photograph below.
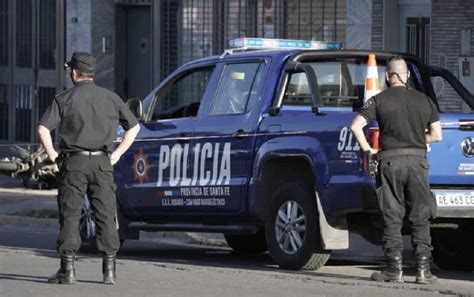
(373, 151)
(53, 156)
(114, 158)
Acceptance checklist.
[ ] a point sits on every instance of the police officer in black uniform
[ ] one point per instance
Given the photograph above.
(86, 117)
(408, 120)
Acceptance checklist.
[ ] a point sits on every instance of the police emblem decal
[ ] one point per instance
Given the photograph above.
(467, 147)
(140, 167)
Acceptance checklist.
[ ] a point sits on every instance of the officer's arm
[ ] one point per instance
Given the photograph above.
(127, 140)
(357, 127)
(435, 133)
(47, 142)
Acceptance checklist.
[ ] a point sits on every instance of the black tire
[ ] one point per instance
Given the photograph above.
(309, 255)
(453, 248)
(247, 243)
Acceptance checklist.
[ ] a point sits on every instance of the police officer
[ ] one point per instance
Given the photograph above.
(408, 120)
(86, 117)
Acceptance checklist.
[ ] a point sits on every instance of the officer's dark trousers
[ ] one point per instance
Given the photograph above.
(403, 188)
(91, 175)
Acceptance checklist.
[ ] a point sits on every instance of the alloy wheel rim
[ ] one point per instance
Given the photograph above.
(290, 227)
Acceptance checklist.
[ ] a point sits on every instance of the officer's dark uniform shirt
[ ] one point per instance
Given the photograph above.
(87, 117)
(403, 115)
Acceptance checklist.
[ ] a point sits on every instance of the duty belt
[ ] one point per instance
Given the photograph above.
(85, 153)
(401, 152)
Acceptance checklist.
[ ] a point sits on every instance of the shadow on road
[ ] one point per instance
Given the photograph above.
(164, 254)
(24, 278)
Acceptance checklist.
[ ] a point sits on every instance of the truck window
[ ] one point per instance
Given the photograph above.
(182, 97)
(448, 98)
(237, 90)
(341, 84)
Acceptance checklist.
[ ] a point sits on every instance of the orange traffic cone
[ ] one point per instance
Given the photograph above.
(372, 83)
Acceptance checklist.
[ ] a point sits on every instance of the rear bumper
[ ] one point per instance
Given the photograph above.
(455, 212)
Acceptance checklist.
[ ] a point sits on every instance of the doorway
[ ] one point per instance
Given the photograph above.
(418, 37)
(134, 46)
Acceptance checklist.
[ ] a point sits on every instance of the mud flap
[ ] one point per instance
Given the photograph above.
(334, 232)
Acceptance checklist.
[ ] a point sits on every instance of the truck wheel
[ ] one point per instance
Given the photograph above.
(292, 229)
(247, 243)
(453, 248)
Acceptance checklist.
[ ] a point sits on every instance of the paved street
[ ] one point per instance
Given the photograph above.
(170, 268)
(187, 264)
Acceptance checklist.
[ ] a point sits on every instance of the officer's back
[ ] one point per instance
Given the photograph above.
(90, 116)
(403, 115)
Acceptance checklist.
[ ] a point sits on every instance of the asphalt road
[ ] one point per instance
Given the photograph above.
(187, 265)
(169, 267)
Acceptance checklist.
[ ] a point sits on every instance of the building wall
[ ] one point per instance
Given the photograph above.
(87, 22)
(449, 17)
(359, 24)
(377, 24)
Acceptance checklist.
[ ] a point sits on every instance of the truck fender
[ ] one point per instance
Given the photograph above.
(308, 148)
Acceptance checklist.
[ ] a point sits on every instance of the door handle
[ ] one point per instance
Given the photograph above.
(183, 137)
(239, 134)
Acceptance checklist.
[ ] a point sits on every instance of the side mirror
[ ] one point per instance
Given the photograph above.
(136, 107)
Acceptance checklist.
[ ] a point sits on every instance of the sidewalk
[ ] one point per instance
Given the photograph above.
(19, 208)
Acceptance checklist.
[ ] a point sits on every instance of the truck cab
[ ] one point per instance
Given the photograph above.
(256, 145)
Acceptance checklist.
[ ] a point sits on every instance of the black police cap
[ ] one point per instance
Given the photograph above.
(82, 61)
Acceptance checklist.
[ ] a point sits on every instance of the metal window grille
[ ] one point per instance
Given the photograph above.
(23, 112)
(193, 29)
(45, 97)
(24, 34)
(3, 112)
(3, 32)
(196, 29)
(169, 36)
(47, 34)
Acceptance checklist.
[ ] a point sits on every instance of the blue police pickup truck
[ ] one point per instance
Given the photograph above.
(256, 145)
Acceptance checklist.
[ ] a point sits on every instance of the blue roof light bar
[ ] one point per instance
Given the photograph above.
(267, 43)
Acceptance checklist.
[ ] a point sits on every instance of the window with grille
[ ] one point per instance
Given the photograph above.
(3, 112)
(192, 29)
(47, 34)
(3, 32)
(24, 34)
(23, 112)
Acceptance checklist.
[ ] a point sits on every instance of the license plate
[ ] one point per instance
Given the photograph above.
(454, 198)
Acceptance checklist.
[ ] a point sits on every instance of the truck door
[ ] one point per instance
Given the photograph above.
(223, 142)
(341, 92)
(157, 165)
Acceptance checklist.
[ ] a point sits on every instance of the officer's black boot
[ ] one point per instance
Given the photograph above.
(424, 275)
(391, 273)
(66, 273)
(108, 269)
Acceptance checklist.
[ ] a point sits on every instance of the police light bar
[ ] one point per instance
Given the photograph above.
(267, 43)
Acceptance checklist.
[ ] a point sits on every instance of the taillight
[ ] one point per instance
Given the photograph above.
(370, 163)
(373, 137)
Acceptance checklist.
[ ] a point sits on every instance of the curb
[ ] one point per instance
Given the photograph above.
(28, 222)
(209, 239)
